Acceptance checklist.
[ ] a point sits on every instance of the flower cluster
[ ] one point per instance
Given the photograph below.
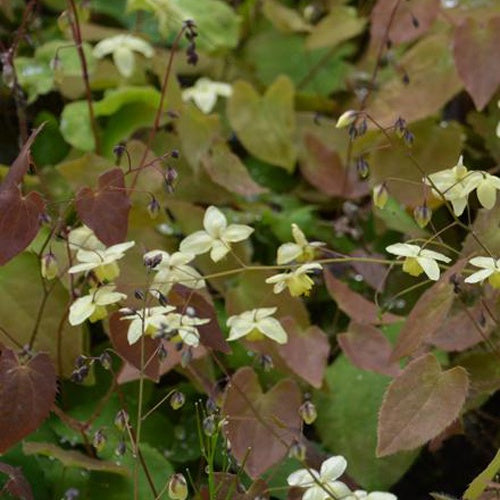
(325, 483)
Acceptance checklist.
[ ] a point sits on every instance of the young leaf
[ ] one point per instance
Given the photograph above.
(261, 426)
(106, 210)
(27, 393)
(265, 124)
(475, 48)
(419, 404)
(368, 349)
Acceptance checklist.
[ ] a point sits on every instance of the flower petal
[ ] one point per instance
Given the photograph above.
(134, 331)
(214, 222)
(78, 268)
(484, 262)
(479, 276)
(403, 249)
(124, 60)
(219, 250)
(459, 205)
(302, 478)
(379, 495)
(80, 310)
(430, 267)
(197, 243)
(333, 468)
(272, 328)
(487, 194)
(237, 232)
(288, 252)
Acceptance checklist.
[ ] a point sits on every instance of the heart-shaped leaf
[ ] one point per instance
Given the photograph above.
(27, 393)
(419, 404)
(260, 426)
(475, 48)
(265, 124)
(106, 210)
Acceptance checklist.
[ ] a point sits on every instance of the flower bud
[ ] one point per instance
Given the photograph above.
(162, 353)
(99, 440)
(50, 269)
(297, 450)
(177, 400)
(362, 168)
(121, 420)
(120, 449)
(347, 118)
(266, 362)
(153, 208)
(422, 215)
(400, 127)
(177, 487)
(380, 195)
(186, 357)
(308, 412)
(106, 360)
(209, 425)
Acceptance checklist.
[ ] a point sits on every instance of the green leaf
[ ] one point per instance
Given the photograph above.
(35, 77)
(49, 147)
(347, 424)
(68, 57)
(75, 126)
(265, 124)
(21, 291)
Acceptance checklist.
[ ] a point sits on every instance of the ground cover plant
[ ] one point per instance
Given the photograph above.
(249, 249)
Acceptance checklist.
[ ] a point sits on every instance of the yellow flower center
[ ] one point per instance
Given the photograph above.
(411, 266)
(99, 313)
(308, 254)
(255, 335)
(107, 272)
(494, 279)
(299, 284)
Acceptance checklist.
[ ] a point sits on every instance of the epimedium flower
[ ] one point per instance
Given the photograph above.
(486, 190)
(374, 495)
(173, 268)
(184, 328)
(101, 262)
(83, 238)
(122, 47)
(216, 237)
(490, 269)
(93, 305)
(148, 319)
(256, 324)
(418, 260)
(301, 251)
(297, 281)
(331, 469)
(204, 93)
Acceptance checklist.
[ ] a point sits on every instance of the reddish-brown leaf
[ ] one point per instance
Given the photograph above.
(427, 314)
(368, 349)
(27, 393)
(106, 210)
(19, 220)
(21, 163)
(475, 48)
(373, 274)
(402, 28)
(16, 485)
(419, 404)
(454, 429)
(323, 168)
(354, 305)
(210, 334)
(260, 426)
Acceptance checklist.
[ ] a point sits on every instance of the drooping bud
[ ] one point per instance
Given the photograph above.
(209, 425)
(186, 357)
(297, 450)
(99, 440)
(177, 400)
(400, 127)
(121, 420)
(266, 362)
(347, 118)
(380, 195)
(153, 208)
(120, 449)
(106, 360)
(307, 412)
(50, 269)
(177, 487)
(422, 215)
(408, 137)
(362, 167)
(162, 353)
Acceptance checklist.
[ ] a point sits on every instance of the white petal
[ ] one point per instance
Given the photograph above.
(430, 267)
(315, 493)
(276, 278)
(487, 194)
(214, 222)
(288, 252)
(379, 495)
(333, 468)
(237, 232)
(264, 312)
(107, 298)
(479, 276)
(104, 47)
(298, 235)
(485, 262)
(459, 205)
(139, 45)
(90, 256)
(197, 243)
(80, 310)
(82, 267)
(239, 329)
(222, 89)
(338, 489)
(305, 268)
(434, 255)
(272, 328)
(124, 61)
(180, 258)
(403, 249)
(302, 478)
(134, 331)
(120, 247)
(205, 100)
(219, 250)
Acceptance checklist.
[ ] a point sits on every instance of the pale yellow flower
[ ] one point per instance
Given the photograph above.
(297, 281)
(490, 268)
(184, 328)
(301, 251)
(217, 236)
(172, 269)
(330, 471)
(102, 262)
(418, 260)
(122, 47)
(83, 238)
(147, 320)
(93, 305)
(487, 186)
(256, 324)
(204, 93)
(347, 118)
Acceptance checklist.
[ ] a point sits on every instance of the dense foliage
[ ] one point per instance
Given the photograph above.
(249, 249)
